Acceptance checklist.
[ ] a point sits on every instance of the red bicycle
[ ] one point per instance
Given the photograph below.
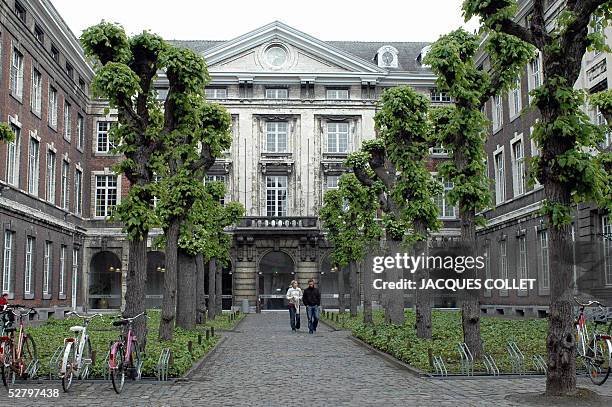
(124, 357)
(17, 352)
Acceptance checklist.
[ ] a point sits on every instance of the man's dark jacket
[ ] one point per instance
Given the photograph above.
(311, 296)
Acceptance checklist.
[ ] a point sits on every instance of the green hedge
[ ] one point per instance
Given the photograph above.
(101, 333)
(402, 343)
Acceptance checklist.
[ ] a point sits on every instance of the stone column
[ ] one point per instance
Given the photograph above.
(245, 273)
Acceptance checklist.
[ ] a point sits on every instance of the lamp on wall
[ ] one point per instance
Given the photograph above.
(334, 269)
(161, 269)
(111, 269)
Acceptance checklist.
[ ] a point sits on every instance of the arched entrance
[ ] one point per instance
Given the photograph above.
(105, 281)
(275, 272)
(156, 261)
(328, 284)
(227, 286)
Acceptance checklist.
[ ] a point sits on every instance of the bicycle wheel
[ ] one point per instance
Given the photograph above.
(136, 361)
(29, 357)
(599, 363)
(8, 376)
(86, 361)
(117, 373)
(71, 366)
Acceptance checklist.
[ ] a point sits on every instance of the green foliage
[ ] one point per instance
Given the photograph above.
(134, 212)
(6, 133)
(402, 342)
(116, 82)
(106, 42)
(603, 101)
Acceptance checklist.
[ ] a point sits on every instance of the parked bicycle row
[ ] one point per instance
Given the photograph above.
(19, 357)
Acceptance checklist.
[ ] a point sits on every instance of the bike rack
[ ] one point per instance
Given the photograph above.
(490, 365)
(517, 359)
(539, 364)
(32, 368)
(55, 361)
(440, 366)
(467, 360)
(163, 365)
(105, 367)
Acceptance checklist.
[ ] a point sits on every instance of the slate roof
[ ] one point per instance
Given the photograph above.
(408, 52)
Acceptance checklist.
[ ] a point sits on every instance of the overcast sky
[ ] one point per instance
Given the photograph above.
(328, 20)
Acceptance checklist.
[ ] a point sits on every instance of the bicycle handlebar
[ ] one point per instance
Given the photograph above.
(134, 317)
(85, 317)
(588, 304)
(13, 307)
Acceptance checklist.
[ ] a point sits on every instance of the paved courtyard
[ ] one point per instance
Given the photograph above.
(264, 364)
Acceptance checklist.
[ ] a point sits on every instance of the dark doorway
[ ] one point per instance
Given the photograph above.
(276, 270)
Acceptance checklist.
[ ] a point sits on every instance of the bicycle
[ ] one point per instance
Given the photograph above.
(78, 358)
(19, 357)
(594, 349)
(124, 356)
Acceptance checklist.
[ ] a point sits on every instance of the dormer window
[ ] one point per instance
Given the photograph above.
(422, 55)
(387, 57)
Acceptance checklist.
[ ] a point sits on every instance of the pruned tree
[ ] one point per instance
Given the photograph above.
(6, 134)
(397, 160)
(462, 128)
(124, 72)
(349, 218)
(566, 168)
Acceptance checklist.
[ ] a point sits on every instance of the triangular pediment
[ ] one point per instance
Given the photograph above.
(299, 53)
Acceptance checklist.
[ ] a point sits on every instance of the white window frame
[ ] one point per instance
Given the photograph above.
(29, 265)
(606, 228)
(334, 182)
(518, 165)
(437, 96)
(337, 94)
(75, 272)
(599, 119)
(36, 92)
(337, 138)
(277, 93)
(442, 202)
(13, 156)
(62, 271)
(500, 175)
(65, 192)
(215, 93)
(276, 137)
(78, 191)
(514, 99)
(497, 110)
(33, 165)
(522, 271)
(16, 80)
(103, 143)
(280, 202)
(535, 74)
(47, 268)
(503, 264)
(107, 194)
(544, 260)
(214, 178)
(80, 131)
(67, 121)
(52, 107)
(7, 264)
(50, 175)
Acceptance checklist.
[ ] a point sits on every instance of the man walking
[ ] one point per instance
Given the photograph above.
(312, 300)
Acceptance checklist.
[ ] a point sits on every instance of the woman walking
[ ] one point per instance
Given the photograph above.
(294, 295)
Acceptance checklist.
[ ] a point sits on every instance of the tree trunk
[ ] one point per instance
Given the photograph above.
(200, 289)
(470, 305)
(186, 298)
(354, 283)
(423, 298)
(219, 290)
(395, 298)
(366, 281)
(212, 273)
(168, 314)
(561, 343)
(136, 280)
(340, 275)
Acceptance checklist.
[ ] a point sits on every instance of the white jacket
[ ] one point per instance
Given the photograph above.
(294, 295)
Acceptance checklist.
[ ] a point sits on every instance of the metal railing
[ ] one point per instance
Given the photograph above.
(278, 222)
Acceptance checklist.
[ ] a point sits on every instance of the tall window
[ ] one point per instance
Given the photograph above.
(39, 34)
(277, 93)
(522, 271)
(337, 137)
(62, 271)
(500, 179)
(78, 191)
(29, 261)
(67, 121)
(33, 166)
(7, 271)
(106, 194)
(331, 181)
(17, 74)
(65, 176)
(47, 270)
(337, 94)
(514, 98)
(216, 178)
(80, 131)
(503, 263)
(518, 168)
(52, 107)
(446, 209)
(215, 93)
(600, 120)
(12, 158)
(498, 112)
(276, 196)
(75, 271)
(104, 144)
(20, 11)
(544, 267)
(50, 176)
(36, 92)
(276, 137)
(535, 72)
(607, 248)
